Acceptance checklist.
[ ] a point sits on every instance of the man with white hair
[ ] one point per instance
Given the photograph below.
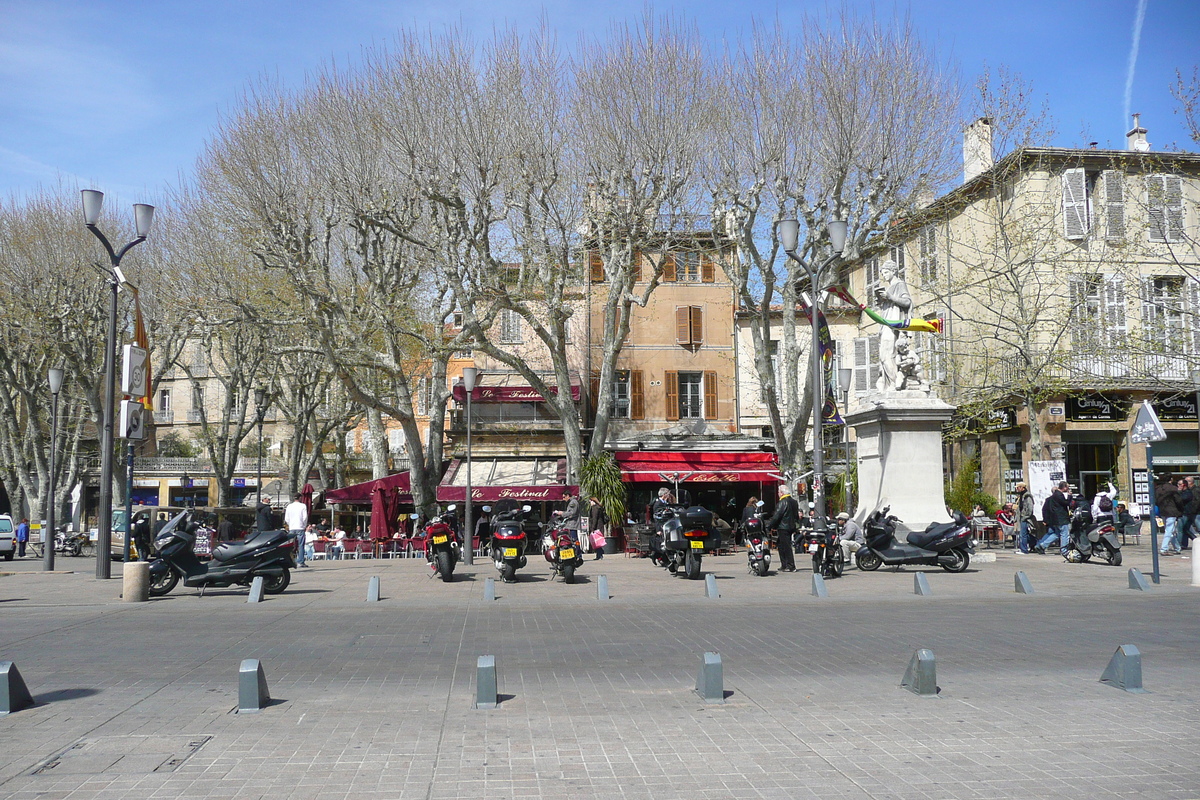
(894, 303)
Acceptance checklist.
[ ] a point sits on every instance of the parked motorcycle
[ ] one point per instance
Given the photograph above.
(945, 544)
(508, 542)
(758, 542)
(1088, 538)
(828, 559)
(71, 544)
(562, 551)
(442, 546)
(270, 554)
(685, 534)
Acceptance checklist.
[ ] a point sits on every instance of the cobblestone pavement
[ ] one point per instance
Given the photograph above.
(374, 700)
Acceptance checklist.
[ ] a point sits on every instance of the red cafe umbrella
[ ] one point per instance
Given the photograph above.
(392, 506)
(306, 496)
(379, 515)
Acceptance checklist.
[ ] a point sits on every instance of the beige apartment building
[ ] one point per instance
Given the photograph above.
(1068, 279)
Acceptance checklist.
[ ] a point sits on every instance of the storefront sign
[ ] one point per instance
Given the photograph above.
(1000, 419)
(1095, 408)
(1176, 409)
(507, 394)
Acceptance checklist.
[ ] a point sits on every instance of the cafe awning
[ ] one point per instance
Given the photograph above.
(505, 387)
(532, 480)
(639, 466)
(360, 493)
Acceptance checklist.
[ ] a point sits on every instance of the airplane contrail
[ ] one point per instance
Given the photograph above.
(1133, 54)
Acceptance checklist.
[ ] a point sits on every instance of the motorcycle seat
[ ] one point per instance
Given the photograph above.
(930, 534)
(227, 551)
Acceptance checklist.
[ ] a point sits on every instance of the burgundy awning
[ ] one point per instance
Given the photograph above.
(638, 466)
(506, 394)
(360, 493)
(529, 480)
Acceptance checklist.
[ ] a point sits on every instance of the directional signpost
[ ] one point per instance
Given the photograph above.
(1148, 430)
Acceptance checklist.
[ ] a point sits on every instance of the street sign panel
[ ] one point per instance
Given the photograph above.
(133, 371)
(1146, 428)
(132, 420)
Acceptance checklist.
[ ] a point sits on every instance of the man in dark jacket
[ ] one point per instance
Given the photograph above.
(1167, 496)
(785, 520)
(264, 519)
(1056, 514)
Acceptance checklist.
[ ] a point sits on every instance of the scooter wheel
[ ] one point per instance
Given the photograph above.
(957, 560)
(274, 584)
(445, 567)
(162, 584)
(837, 563)
(867, 560)
(1114, 558)
(692, 565)
(568, 572)
(508, 573)
(761, 569)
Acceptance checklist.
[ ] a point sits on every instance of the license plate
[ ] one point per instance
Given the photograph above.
(439, 540)
(697, 545)
(566, 552)
(510, 552)
(812, 548)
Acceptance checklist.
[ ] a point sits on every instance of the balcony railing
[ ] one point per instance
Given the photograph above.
(194, 415)
(1116, 370)
(165, 417)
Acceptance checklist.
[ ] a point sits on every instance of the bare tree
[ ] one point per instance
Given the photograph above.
(1187, 94)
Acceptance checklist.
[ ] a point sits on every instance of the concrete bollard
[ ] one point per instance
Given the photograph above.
(252, 687)
(1124, 670)
(710, 587)
(14, 695)
(1195, 565)
(602, 588)
(486, 695)
(373, 590)
(135, 582)
(921, 585)
(1138, 581)
(1023, 586)
(710, 683)
(489, 589)
(256, 590)
(921, 676)
(818, 586)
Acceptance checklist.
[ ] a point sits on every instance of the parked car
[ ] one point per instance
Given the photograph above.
(8, 537)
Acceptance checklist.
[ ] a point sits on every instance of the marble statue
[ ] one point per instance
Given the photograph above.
(894, 303)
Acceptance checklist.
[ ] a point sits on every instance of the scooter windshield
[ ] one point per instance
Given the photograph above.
(169, 528)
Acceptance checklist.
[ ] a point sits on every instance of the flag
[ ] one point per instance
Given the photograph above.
(143, 341)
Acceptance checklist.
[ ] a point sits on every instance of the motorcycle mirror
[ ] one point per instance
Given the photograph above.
(526, 508)
(414, 516)
(487, 509)
(760, 504)
(452, 506)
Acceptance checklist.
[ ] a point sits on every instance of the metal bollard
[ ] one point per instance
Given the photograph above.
(921, 585)
(1138, 581)
(135, 582)
(373, 590)
(14, 695)
(256, 590)
(1023, 586)
(602, 588)
(252, 687)
(818, 586)
(1124, 670)
(1195, 566)
(486, 695)
(710, 683)
(921, 676)
(489, 589)
(710, 587)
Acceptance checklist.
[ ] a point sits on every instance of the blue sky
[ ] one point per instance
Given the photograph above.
(122, 95)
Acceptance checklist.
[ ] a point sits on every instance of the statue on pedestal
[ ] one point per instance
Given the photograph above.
(894, 302)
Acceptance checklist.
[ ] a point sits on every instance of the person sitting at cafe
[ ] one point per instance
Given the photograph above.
(338, 546)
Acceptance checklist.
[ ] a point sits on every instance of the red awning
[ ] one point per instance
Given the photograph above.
(360, 493)
(529, 480)
(639, 466)
(506, 394)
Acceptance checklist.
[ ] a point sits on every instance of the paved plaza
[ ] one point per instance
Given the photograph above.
(374, 700)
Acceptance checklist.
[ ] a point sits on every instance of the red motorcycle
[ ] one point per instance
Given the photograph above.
(563, 553)
(442, 546)
(508, 542)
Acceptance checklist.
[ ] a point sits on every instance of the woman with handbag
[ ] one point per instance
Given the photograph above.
(596, 522)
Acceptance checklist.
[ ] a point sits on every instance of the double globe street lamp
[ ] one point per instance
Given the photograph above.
(48, 540)
(789, 237)
(143, 218)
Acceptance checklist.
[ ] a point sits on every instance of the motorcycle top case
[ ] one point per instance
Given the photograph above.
(509, 530)
(696, 517)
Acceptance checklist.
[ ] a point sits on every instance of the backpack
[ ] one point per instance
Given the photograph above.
(1105, 504)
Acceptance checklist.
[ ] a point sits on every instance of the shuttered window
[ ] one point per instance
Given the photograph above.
(866, 363)
(689, 326)
(671, 385)
(710, 395)
(708, 270)
(510, 327)
(668, 268)
(1165, 201)
(637, 395)
(1076, 219)
(636, 266)
(1114, 206)
(927, 253)
(619, 408)
(691, 395)
(597, 265)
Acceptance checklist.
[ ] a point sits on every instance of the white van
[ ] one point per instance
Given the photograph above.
(8, 537)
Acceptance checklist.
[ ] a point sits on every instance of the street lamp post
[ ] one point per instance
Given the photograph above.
(469, 376)
(56, 379)
(789, 235)
(1196, 384)
(143, 216)
(260, 411)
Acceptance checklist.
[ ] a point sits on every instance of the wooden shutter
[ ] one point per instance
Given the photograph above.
(683, 325)
(1074, 203)
(1077, 292)
(1114, 205)
(1156, 206)
(636, 266)
(1192, 288)
(697, 325)
(710, 395)
(861, 367)
(708, 273)
(594, 390)
(1150, 315)
(597, 265)
(668, 268)
(671, 384)
(637, 395)
(1114, 308)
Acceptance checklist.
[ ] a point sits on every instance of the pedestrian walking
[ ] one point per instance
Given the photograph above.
(1167, 495)
(23, 537)
(1056, 513)
(1024, 518)
(597, 520)
(295, 519)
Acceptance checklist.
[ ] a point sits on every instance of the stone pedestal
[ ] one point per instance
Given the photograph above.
(899, 438)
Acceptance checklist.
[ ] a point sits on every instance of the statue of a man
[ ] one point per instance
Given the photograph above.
(894, 303)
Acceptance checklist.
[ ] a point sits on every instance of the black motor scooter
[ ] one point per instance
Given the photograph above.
(1090, 538)
(270, 554)
(948, 545)
(758, 543)
(685, 534)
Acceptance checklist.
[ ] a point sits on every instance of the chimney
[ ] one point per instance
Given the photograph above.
(977, 148)
(1136, 138)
